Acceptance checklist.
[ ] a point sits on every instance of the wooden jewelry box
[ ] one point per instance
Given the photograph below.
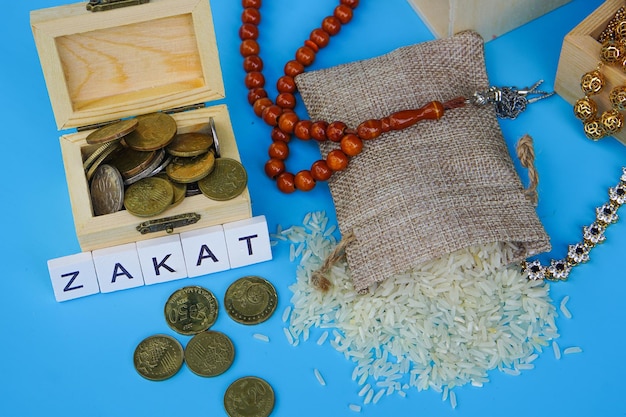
(581, 53)
(123, 62)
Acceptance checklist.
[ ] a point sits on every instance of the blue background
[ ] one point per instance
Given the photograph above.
(75, 358)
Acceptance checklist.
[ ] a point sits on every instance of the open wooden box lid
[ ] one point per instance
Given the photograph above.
(108, 65)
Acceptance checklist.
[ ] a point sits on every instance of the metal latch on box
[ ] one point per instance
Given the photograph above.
(102, 5)
(168, 223)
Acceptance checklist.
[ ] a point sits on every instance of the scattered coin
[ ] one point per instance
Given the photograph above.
(250, 300)
(190, 144)
(249, 396)
(148, 197)
(112, 132)
(188, 170)
(209, 353)
(107, 190)
(158, 357)
(191, 310)
(154, 131)
(228, 180)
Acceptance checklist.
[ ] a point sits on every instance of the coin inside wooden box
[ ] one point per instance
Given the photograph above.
(126, 62)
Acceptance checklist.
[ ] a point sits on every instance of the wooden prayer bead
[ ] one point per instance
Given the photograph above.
(251, 3)
(274, 167)
(312, 45)
(251, 15)
(260, 105)
(369, 129)
(285, 183)
(278, 150)
(255, 94)
(351, 145)
(304, 181)
(293, 68)
(249, 47)
(320, 37)
(286, 84)
(252, 63)
(305, 55)
(287, 121)
(254, 80)
(279, 135)
(331, 25)
(350, 3)
(286, 101)
(337, 160)
(270, 114)
(248, 31)
(335, 131)
(320, 170)
(318, 130)
(302, 129)
(343, 13)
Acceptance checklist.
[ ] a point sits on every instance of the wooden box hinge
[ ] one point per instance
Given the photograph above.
(96, 125)
(186, 108)
(102, 5)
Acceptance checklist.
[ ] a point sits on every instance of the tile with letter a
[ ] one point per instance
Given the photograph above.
(248, 241)
(162, 259)
(118, 268)
(73, 276)
(205, 251)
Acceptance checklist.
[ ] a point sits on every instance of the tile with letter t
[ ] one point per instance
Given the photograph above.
(162, 259)
(118, 268)
(205, 251)
(248, 241)
(73, 276)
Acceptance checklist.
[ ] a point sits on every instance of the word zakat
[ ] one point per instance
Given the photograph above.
(185, 255)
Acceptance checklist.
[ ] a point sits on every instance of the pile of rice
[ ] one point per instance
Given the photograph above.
(443, 325)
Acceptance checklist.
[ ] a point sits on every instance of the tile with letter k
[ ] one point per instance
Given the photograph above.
(162, 259)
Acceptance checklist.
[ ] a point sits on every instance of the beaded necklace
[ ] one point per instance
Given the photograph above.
(508, 101)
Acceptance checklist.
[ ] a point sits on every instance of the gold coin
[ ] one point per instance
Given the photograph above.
(154, 131)
(102, 157)
(228, 180)
(147, 172)
(131, 162)
(108, 147)
(158, 357)
(188, 170)
(148, 197)
(107, 190)
(249, 396)
(209, 353)
(250, 300)
(112, 132)
(180, 189)
(190, 144)
(191, 310)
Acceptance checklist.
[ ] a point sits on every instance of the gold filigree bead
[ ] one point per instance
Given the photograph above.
(613, 121)
(612, 51)
(585, 109)
(592, 82)
(620, 30)
(594, 129)
(618, 98)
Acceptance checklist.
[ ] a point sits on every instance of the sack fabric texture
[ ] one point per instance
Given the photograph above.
(434, 188)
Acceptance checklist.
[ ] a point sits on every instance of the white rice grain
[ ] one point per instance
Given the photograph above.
(261, 337)
(319, 377)
(556, 349)
(378, 396)
(286, 314)
(563, 307)
(322, 338)
(355, 407)
(453, 402)
(571, 350)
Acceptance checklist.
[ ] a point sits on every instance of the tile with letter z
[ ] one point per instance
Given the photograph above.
(73, 276)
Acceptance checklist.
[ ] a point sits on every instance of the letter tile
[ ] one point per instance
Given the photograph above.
(162, 259)
(248, 241)
(73, 276)
(118, 268)
(205, 251)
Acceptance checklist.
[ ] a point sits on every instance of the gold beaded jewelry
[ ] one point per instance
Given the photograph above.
(613, 52)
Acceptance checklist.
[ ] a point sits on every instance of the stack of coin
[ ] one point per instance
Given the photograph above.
(151, 168)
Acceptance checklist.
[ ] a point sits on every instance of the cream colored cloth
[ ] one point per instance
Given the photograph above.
(436, 187)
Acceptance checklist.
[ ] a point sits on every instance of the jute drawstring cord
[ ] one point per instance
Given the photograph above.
(526, 154)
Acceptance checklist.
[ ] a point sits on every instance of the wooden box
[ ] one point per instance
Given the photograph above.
(581, 53)
(115, 64)
(490, 18)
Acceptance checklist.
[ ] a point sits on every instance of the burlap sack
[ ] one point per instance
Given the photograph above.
(436, 187)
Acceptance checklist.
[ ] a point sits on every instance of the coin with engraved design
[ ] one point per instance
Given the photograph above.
(228, 180)
(249, 396)
(209, 353)
(107, 190)
(158, 357)
(191, 310)
(250, 300)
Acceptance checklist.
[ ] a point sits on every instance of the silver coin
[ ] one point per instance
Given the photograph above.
(216, 142)
(149, 170)
(107, 190)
